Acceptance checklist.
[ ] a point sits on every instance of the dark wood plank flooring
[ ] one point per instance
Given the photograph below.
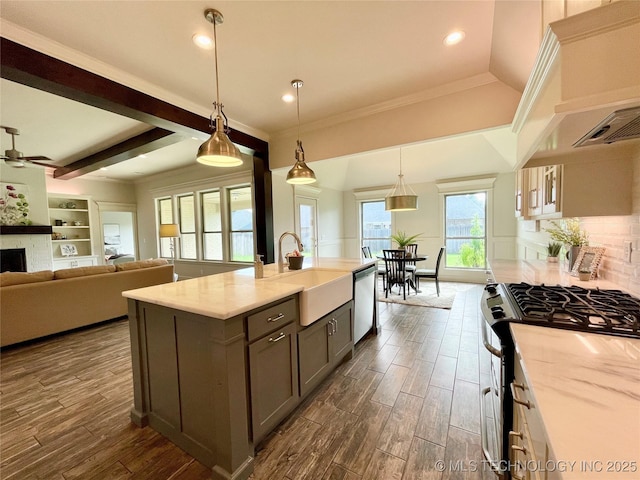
(408, 398)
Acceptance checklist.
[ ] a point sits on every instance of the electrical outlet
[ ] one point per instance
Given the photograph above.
(628, 248)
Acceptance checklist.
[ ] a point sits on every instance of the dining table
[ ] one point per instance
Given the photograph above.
(418, 257)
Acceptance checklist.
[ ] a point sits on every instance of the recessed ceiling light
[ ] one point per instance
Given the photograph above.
(454, 37)
(103, 168)
(287, 97)
(142, 156)
(203, 41)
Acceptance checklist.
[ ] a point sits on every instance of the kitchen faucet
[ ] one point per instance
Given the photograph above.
(280, 257)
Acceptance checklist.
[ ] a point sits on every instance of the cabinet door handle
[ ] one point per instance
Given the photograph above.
(280, 316)
(518, 448)
(330, 327)
(335, 325)
(278, 338)
(515, 385)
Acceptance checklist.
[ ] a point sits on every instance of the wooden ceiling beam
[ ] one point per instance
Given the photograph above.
(140, 144)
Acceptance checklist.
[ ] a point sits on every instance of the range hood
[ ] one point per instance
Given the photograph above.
(620, 125)
(583, 95)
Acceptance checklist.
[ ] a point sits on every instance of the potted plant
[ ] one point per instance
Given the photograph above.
(568, 232)
(553, 250)
(402, 239)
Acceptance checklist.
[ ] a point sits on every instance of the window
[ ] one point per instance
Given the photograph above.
(216, 224)
(465, 230)
(186, 210)
(375, 225)
(241, 231)
(211, 226)
(165, 215)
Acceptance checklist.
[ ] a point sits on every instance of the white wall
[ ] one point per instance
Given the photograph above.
(330, 215)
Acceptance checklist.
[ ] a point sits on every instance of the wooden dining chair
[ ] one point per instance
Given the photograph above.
(412, 251)
(430, 273)
(395, 265)
(382, 271)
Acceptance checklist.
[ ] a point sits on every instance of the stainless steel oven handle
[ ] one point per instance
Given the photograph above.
(484, 435)
(485, 341)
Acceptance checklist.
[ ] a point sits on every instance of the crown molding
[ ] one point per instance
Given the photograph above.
(407, 100)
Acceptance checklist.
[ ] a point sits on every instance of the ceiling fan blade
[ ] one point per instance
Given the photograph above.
(42, 164)
(37, 157)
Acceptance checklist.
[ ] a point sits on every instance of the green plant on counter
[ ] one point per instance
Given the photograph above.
(568, 232)
(402, 239)
(553, 249)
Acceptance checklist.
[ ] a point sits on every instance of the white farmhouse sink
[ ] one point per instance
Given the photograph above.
(324, 291)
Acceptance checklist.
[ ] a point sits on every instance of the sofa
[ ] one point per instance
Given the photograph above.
(34, 305)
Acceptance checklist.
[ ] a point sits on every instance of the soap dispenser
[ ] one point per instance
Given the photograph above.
(258, 267)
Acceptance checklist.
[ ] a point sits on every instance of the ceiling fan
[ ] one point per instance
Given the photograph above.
(14, 158)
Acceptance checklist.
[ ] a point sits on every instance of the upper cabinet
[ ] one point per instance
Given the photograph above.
(586, 71)
(584, 189)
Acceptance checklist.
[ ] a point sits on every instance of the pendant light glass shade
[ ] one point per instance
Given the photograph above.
(218, 151)
(300, 173)
(401, 197)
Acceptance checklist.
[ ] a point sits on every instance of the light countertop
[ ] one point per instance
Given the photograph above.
(587, 389)
(540, 271)
(228, 294)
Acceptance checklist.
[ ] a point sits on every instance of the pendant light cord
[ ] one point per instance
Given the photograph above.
(298, 107)
(215, 51)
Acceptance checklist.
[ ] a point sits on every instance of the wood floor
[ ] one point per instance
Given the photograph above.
(409, 398)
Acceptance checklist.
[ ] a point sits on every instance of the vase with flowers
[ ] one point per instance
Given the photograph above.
(569, 233)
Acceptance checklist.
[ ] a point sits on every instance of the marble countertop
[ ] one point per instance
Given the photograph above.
(228, 294)
(540, 271)
(587, 389)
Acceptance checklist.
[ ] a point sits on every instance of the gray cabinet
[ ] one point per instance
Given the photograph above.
(273, 368)
(322, 345)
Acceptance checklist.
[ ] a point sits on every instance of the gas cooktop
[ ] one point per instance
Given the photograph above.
(576, 308)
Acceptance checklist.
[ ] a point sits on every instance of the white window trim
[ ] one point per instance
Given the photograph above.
(195, 188)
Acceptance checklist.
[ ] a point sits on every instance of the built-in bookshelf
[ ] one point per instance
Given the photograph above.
(70, 218)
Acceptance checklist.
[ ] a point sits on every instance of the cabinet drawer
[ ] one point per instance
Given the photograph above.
(271, 318)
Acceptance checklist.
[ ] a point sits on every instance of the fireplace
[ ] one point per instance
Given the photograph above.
(13, 260)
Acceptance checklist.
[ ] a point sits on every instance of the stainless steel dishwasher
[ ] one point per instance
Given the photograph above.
(364, 299)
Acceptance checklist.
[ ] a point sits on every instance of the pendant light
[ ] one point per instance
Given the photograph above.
(218, 151)
(401, 197)
(299, 174)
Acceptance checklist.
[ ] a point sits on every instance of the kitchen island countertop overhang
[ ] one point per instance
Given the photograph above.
(238, 291)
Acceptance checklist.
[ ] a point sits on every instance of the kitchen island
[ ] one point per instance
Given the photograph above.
(219, 361)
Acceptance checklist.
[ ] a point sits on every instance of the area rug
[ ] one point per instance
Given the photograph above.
(426, 298)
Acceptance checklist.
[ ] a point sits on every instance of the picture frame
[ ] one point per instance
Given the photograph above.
(68, 249)
(589, 259)
(111, 232)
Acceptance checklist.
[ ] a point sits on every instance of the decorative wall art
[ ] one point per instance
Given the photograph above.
(14, 207)
(68, 249)
(111, 233)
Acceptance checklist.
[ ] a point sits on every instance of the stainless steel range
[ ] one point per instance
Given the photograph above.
(609, 312)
